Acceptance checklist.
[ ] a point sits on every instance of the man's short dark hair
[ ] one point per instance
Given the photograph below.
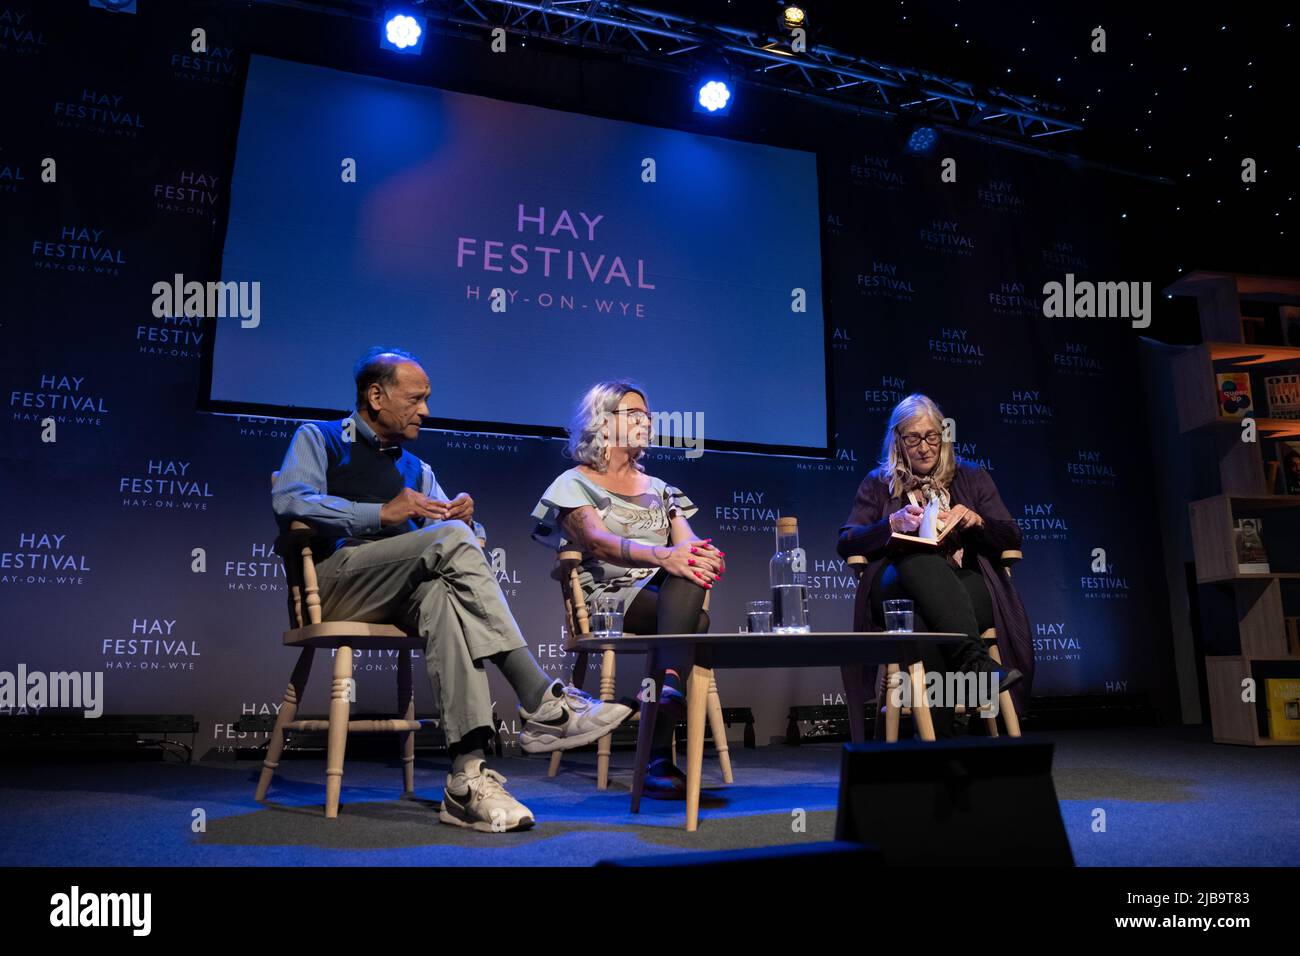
(378, 365)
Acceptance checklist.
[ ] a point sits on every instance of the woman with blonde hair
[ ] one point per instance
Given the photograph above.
(957, 587)
(638, 546)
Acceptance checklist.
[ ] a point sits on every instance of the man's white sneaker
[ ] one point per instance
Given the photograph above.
(477, 798)
(567, 718)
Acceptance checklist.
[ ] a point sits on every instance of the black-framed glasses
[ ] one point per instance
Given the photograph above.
(912, 440)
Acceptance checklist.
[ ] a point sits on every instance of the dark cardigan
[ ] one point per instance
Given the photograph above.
(866, 533)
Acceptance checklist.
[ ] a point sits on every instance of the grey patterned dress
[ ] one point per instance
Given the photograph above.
(643, 518)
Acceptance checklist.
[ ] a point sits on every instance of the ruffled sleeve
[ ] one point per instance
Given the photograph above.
(565, 492)
(677, 503)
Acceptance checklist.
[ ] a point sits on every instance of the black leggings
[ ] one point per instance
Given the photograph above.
(667, 604)
(944, 598)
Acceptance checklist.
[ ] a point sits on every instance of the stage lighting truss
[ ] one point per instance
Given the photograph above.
(668, 40)
(671, 41)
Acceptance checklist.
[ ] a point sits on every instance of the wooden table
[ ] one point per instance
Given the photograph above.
(851, 652)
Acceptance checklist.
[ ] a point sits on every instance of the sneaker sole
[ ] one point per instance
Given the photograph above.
(483, 826)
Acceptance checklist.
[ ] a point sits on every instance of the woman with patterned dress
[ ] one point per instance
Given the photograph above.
(638, 546)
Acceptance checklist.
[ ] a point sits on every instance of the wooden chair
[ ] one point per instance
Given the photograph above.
(889, 678)
(577, 625)
(308, 632)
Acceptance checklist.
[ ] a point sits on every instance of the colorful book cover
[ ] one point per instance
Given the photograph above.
(1283, 394)
(1234, 394)
(1283, 696)
(1251, 556)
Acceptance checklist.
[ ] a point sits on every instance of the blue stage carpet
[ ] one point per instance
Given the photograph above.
(1172, 798)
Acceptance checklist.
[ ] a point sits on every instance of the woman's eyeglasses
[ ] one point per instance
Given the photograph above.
(913, 440)
(634, 415)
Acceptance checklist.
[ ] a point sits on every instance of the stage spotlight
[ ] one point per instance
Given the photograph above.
(402, 32)
(793, 17)
(713, 96)
(922, 141)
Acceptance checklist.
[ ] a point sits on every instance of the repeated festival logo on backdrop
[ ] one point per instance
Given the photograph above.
(13, 174)
(171, 337)
(480, 443)
(1042, 521)
(882, 397)
(1089, 467)
(151, 644)
(39, 556)
(1105, 583)
(21, 34)
(877, 172)
(506, 576)
(1001, 195)
(1077, 358)
(842, 460)
(885, 280)
(751, 511)
(258, 570)
(1025, 406)
(79, 248)
(946, 236)
(252, 426)
(98, 112)
(1055, 642)
(189, 192)
(165, 485)
(213, 67)
(955, 345)
(68, 399)
(1013, 299)
(831, 579)
(1061, 256)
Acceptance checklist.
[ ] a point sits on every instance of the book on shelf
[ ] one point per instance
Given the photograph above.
(1251, 556)
(1292, 635)
(1235, 399)
(1283, 697)
(1283, 395)
(1288, 467)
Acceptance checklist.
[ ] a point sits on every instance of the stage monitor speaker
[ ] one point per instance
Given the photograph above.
(973, 802)
(812, 857)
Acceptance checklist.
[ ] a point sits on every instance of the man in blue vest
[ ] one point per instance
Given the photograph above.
(393, 548)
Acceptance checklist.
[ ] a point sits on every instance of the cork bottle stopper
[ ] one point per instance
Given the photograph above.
(787, 525)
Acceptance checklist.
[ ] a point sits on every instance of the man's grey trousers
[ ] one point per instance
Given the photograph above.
(438, 582)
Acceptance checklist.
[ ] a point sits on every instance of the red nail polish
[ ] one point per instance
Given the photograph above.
(690, 560)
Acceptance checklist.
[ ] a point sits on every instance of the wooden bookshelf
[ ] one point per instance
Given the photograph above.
(1261, 630)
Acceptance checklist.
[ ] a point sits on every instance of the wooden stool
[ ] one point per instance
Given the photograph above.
(578, 625)
(889, 678)
(309, 633)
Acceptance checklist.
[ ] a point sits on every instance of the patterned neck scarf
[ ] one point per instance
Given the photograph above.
(926, 488)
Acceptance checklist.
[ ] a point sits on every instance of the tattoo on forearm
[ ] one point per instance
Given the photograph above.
(625, 549)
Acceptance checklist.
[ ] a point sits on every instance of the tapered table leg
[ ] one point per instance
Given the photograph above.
(645, 733)
(697, 703)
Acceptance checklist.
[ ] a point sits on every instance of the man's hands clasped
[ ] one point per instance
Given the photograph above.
(409, 503)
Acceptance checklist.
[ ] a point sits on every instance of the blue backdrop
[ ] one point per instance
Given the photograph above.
(929, 286)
